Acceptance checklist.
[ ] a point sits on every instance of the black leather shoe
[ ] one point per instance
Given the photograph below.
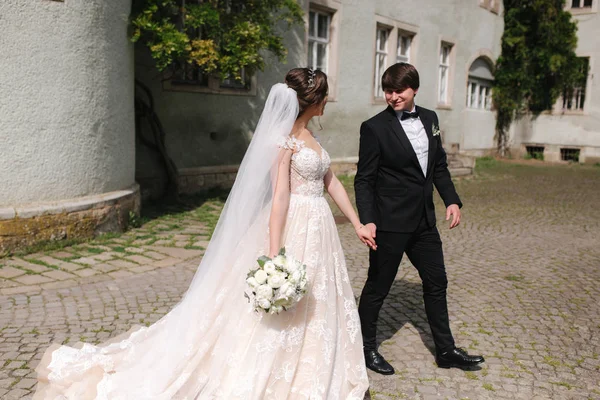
(457, 358)
(376, 362)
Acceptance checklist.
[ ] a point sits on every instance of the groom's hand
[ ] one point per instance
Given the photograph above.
(454, 211)
(366, 234)
(372, 228)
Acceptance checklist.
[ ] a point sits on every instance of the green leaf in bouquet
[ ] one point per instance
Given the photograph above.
(282, 251)
(280, 302)
(263, 260)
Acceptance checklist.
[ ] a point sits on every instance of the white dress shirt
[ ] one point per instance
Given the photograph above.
(418, 138)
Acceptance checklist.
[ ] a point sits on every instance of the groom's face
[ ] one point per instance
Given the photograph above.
(400, 100)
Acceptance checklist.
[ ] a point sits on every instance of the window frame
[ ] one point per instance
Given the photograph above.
(401, 35)
(379, 52)
(316, 39)
(213, 85)
(586, 92)
(396, 29)
(446, 102)
(333, 8)
(582, 10)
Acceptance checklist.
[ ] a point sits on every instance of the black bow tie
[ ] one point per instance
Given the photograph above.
(407, 115)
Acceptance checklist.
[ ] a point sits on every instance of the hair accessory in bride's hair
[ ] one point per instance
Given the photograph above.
(311, 77)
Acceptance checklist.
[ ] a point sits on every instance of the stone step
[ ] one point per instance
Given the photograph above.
(463, 171)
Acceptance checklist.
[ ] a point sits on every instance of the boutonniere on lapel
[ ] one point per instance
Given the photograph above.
(435, 130)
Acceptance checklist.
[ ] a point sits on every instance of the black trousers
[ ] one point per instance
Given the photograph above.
(424, 249)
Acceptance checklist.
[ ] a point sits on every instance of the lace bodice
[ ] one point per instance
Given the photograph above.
(308, 168)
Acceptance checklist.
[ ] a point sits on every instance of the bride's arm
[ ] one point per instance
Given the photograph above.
(281, 202)
(338, 193)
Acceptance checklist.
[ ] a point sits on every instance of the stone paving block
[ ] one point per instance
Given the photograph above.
(138, 250)
(105, 256)
(22, 264)
(8, 272)
(154, 255)
(141, 260)
(58, 275)
(59, 284)
(122, 264)
(183, 254)
(16, 394)
(86, 261)
(85, 272)
(32, 279)
(120, 274)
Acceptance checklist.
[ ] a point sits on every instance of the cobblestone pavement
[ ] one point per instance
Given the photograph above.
(524, 272)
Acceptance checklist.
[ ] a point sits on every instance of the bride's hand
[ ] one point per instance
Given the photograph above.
(365, 235)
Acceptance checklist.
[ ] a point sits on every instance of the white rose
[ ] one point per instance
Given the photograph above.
(264, 292)
(295, 277)
(269, 268)
(276, 280)
(252, 282)
(280, 261)
(264, 304)
(287, 290)
(260, 276)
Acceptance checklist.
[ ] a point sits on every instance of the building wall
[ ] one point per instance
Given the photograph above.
(205, 130)
(66, 103)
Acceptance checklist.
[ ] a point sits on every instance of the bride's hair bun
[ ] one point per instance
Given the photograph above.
(311, 86)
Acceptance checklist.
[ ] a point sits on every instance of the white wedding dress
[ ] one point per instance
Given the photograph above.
(225, 350)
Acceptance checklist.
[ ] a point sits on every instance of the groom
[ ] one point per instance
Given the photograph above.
(400, 160)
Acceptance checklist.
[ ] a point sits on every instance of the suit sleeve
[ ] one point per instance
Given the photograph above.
(366, 174)
(441, 174)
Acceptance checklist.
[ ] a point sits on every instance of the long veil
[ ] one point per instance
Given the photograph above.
(252, 190)
(151, 360)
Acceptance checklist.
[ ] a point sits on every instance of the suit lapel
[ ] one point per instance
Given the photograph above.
(399, 131)
(428, 125)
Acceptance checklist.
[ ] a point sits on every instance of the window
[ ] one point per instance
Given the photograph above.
(479, 85)
(535, 152)
(575, 100)
(394, 42)
(479, 95)
(404, 43)
(444, 72)
(191, 79)
(567, 154)
(319, 25)
(190, 75)
(381, 55)
(581, 3)
(232, 83)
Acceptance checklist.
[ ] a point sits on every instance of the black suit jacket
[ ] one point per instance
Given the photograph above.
(390, 187)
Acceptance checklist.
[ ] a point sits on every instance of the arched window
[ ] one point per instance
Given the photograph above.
(479, 87)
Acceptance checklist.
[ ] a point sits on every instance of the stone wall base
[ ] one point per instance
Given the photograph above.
(82, 217)
(551, 152)
(195, 180)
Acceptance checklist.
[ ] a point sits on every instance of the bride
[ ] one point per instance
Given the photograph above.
(212, 345)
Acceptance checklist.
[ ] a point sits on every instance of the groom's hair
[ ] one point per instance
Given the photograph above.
(400, 76)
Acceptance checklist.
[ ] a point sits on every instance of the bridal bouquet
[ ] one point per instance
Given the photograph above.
(274, 285)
